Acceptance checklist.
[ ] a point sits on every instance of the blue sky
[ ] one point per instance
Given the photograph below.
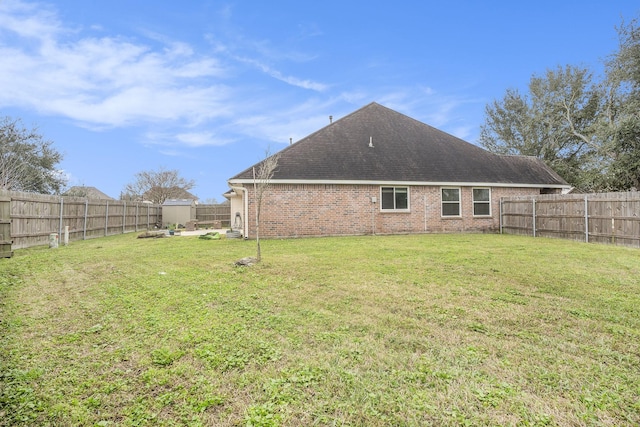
(206, 87)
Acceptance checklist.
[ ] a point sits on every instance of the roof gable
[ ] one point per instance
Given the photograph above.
(376, 143)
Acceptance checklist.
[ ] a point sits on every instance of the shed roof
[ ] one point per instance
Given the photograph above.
(179, 202)
(376, 143)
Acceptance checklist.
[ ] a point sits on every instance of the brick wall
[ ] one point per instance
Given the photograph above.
(298, 210)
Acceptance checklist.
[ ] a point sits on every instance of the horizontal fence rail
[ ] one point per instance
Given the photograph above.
(612, 218)
(34, 217)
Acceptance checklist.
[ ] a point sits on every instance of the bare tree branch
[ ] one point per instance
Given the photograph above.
(261, 182)
(157, 186)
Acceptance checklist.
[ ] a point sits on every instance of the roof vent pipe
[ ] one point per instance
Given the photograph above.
(290, 141)
(330, 119)
(371, 141)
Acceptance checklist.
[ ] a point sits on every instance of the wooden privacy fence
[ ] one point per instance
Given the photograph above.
(34, 217)
(211, 213)
(612, 218)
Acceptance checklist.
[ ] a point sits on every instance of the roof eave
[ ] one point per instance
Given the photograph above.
(233, 182)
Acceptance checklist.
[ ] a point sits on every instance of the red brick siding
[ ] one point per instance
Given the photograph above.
(295, 210)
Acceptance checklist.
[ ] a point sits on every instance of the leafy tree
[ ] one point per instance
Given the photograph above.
(623, 112)
(588, 132)
(158, 186)
(28, 161)
(559, 122)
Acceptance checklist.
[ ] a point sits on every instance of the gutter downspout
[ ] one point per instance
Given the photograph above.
(245, 202)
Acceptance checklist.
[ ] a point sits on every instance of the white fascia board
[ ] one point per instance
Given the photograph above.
(401, 183)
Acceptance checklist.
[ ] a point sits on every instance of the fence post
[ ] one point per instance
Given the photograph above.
(86, 210)
(61, 210)
(106, 220)
(500, 215)
(586, 218)
(137, 213)
(124, 216)
(613, 228)
(534, 217)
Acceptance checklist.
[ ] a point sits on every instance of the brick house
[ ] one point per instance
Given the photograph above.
(377, 171)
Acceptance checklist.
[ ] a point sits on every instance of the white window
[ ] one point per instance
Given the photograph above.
(450, 201)
(481, 202)
(394, 198)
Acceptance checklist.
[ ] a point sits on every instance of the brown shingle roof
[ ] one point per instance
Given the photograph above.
(404, 150)
(88, 192)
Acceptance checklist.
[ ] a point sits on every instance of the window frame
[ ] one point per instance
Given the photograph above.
(443, 202)
(395, 209)
(478, 202)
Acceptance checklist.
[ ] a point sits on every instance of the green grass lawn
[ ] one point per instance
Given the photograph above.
(355, 331)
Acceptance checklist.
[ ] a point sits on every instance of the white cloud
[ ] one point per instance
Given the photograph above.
(171, 153)
(199, 139)
(117, 81)
(192, 139)
(294, 81)
(176, 95)
(104, 82)
(29, 20)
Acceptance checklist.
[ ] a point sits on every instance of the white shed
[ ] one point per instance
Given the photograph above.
(178, 211)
